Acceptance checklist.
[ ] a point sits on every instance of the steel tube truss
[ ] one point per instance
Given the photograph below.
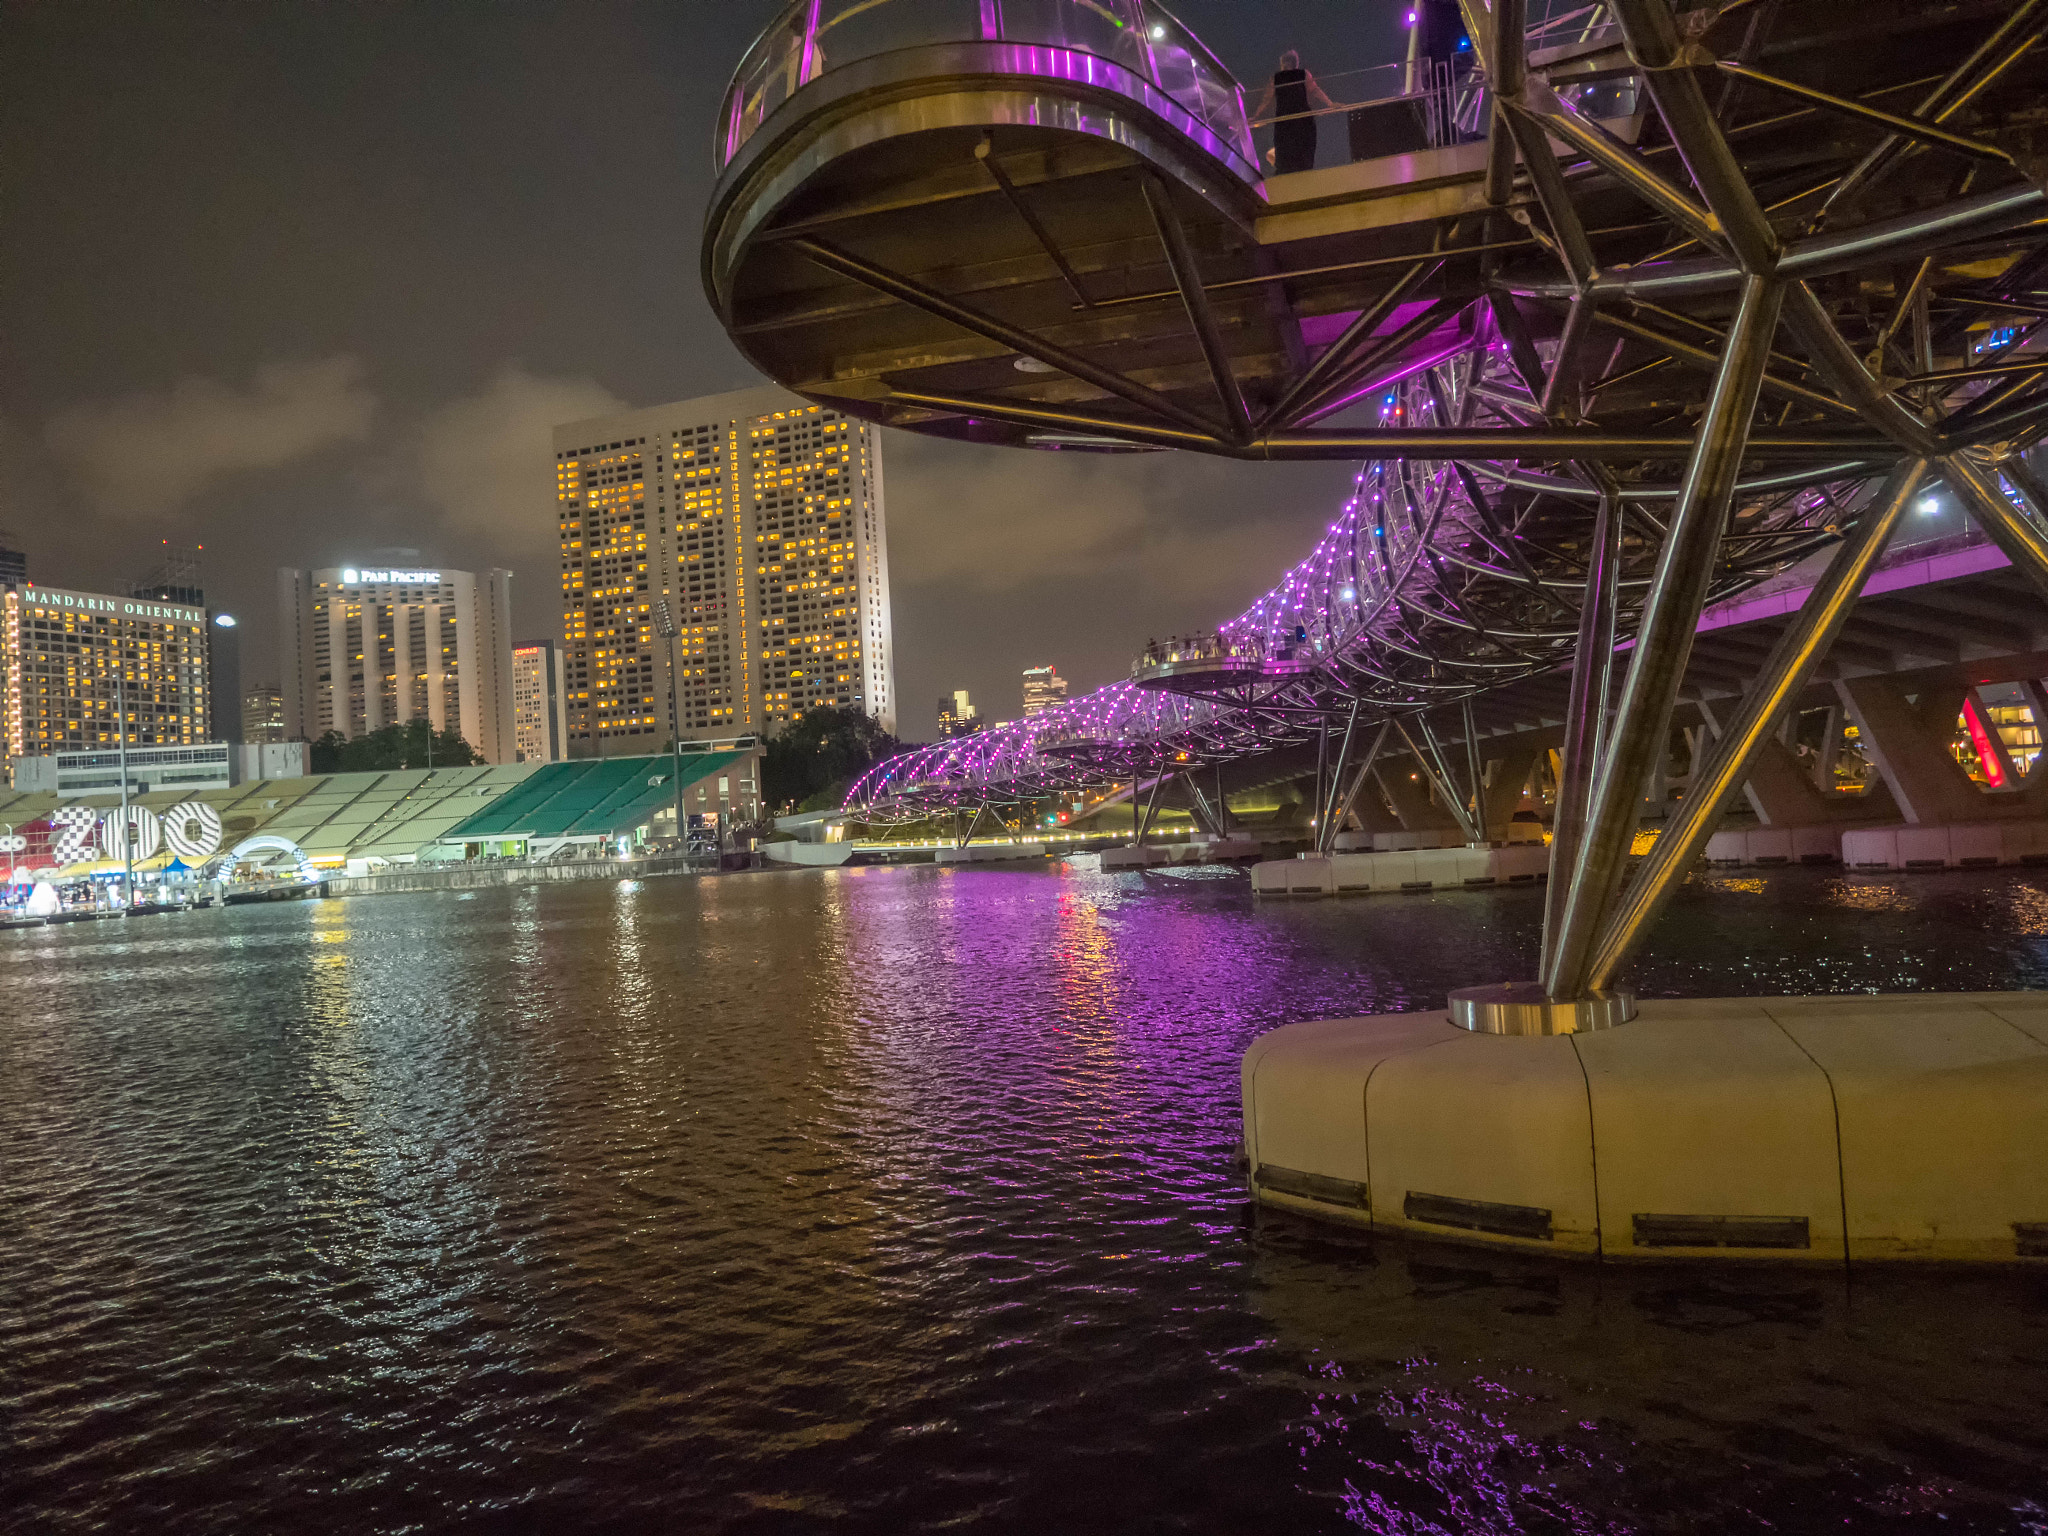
(1717, 286)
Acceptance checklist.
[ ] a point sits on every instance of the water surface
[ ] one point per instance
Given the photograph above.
(900, 1200)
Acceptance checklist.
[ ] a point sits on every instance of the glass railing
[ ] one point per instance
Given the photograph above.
(1423, 102)
(813, 37)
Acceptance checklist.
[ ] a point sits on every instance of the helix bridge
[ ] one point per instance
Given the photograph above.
(1622, 310)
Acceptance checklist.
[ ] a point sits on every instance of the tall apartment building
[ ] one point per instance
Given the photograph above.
(759, 516)
(263, 715)
(540, 715)
(365, 647)
(68, 659)
(1043, 688)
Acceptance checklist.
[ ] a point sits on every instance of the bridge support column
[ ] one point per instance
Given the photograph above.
(1909, 744)
(1777, 788)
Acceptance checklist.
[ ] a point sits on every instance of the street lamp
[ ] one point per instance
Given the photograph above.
(665, 621)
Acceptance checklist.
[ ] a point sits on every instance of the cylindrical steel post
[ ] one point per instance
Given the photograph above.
(1685, 570)
(1584, 713)
(1790, 663)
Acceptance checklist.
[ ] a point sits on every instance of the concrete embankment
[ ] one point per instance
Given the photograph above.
(471, 877)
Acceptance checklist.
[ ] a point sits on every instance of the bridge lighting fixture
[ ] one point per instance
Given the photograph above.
(1930, 504)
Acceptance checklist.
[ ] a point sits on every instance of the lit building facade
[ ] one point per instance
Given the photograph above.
(760, 518)
(66, 657)
(362, 648)
(263, 715)
(957, 715)
(540, 719)
(1043, 688)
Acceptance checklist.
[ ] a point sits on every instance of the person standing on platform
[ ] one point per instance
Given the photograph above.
(1290, 102)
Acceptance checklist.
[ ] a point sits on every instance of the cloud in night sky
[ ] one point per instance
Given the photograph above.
(148, 454)
(485, 459)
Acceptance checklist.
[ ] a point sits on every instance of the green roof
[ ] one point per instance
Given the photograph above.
(594, 797)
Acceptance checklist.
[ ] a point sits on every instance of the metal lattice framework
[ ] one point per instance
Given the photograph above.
(1672, 302)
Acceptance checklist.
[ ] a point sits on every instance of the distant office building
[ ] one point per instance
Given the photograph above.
(177, 578)
(1043, 688)
(760, 517)
(13, 563)
(262, 715)
(957, 715)
(66, 657)
(363, 647)
(540, 717)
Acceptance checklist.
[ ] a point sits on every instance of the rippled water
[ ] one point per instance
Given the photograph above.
(900, 1200)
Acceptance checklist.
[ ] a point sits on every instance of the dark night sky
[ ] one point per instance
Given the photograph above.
(297, 281)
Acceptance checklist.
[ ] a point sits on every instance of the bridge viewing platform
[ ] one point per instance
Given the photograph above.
(1651, 332)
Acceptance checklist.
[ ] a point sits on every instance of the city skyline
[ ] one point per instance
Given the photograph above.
(298, 412)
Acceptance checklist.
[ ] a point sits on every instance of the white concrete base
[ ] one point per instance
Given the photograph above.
(1420, 869)
(1816, 1129)
(1214, 850)
(1403, 842)
(989, 853)
(815, 855)
(1960, 845)
(1772, 846)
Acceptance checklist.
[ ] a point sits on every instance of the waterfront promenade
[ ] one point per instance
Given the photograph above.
(900, 1199)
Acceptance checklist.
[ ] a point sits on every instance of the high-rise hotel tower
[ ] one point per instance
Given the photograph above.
(364, 647)
(758, 517)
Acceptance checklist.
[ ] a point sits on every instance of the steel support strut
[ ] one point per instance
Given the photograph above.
(1685, 571)
(1790, 663)
(2020, 538)
(1326, 804)
(1584, 713)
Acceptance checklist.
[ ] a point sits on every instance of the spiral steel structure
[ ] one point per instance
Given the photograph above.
(1657, 304)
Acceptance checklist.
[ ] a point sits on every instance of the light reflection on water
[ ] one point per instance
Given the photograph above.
(889, 1200)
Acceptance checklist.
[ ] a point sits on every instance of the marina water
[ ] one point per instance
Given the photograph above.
(902, 1199)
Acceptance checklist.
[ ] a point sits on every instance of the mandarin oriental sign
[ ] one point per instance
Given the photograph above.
(120, 607)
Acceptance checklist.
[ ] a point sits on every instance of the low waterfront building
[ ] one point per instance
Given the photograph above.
(625, 802)
(339, 821)
(186, 770)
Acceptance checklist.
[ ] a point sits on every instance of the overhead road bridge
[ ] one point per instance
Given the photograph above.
(1643, 308)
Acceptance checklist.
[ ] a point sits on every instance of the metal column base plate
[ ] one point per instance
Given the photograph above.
(1521, 1008)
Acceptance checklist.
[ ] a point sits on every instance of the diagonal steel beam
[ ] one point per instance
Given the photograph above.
(985, 153)
(1791, 662)
(1907, 127)
(1846, 450)
(1652, 35)
(1840, 365)
(1335, 355)
(1987, 61)
(2022, 539)
(1187, 276)
(1685, 572)
(1632, 172)
(981, 323)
